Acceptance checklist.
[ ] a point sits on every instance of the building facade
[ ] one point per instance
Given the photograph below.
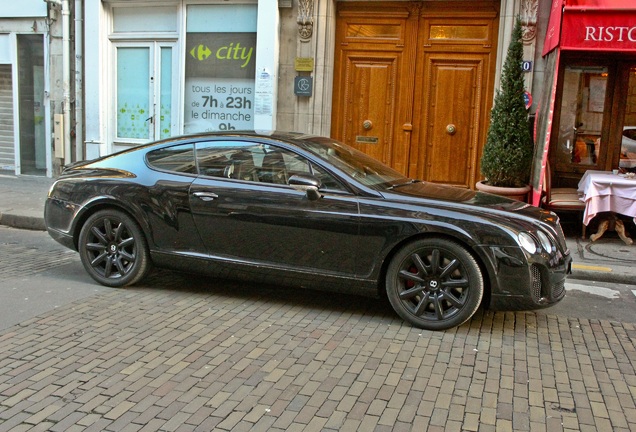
(587, 117)
(29, 58)
(408, 82)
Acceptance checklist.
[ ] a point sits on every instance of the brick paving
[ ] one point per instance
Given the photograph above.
(220, 356)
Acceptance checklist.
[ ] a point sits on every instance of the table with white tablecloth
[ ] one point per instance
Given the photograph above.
(604, 191)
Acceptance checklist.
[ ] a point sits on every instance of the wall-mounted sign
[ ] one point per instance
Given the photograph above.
(526, 65)
(304, 64)
(527, 98)
(599, 28)
(303, 85)
(264, 93)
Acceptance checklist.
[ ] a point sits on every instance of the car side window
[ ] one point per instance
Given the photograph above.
(327, 180)
(256, 162)
(248, 161)
(215, 159)
(277, 165)
(179, 158)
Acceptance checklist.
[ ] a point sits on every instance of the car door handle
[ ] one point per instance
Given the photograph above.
(205, 196)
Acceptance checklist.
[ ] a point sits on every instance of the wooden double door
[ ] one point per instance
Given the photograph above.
(413, 84)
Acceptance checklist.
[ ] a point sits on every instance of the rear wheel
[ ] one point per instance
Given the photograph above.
(434, 284)
(113, 249)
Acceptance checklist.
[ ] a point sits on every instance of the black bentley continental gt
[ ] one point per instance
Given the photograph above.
(307, 211)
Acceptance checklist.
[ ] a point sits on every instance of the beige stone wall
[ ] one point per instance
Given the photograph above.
(288, 46)
(306, 114)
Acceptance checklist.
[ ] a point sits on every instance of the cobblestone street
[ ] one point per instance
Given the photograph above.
(217, 355)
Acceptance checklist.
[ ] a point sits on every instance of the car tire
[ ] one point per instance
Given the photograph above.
(113, 249)
(434, 284)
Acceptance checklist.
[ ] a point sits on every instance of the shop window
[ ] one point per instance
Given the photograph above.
(582, 109)
(628, 137)
(155, 19)
(220, 67)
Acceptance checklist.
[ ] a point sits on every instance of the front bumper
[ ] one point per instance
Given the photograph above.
(526, 282)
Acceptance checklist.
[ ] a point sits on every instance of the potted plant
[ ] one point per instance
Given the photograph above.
(507, 157)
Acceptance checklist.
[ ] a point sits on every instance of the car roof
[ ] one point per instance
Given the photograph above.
(276, 135)
(296, 139)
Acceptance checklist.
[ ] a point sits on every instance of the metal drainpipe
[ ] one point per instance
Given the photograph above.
(66, 75)
(79, 79)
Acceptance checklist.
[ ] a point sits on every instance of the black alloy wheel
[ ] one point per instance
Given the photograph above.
(434, 284)
(113, 249)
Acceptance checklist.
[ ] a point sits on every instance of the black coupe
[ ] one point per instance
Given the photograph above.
(307, 211)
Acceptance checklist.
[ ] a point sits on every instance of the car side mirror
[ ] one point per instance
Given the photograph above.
(308, 184)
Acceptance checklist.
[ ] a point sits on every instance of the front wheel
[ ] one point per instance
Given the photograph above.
(434, 284)
(113, 249)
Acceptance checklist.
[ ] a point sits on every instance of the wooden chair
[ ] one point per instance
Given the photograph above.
(561, 200)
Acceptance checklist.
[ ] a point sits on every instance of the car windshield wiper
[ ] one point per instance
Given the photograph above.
(411, 181)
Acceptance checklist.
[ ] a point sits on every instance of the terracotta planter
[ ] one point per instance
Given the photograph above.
(517, 193)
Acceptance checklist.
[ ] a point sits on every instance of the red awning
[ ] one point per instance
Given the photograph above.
(592, 25)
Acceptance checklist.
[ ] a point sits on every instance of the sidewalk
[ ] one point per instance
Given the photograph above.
(22, 201)
(606, 260)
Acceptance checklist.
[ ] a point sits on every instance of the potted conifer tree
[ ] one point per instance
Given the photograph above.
(507, 156)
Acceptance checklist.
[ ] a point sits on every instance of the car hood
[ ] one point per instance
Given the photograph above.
(465, 199)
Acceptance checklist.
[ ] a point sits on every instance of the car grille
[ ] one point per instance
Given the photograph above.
(543, 289)
(535, 289)
(558, 290)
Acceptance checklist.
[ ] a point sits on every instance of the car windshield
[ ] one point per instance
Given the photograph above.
(356, 164)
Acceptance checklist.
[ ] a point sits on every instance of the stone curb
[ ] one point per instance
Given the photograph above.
(22, 222)
(609, 277)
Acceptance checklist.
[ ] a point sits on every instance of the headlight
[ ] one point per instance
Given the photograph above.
(546, 244)
(527, 242)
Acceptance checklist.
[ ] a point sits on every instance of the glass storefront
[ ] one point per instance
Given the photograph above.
(219, 67)
(219, 50)
(595, 120)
